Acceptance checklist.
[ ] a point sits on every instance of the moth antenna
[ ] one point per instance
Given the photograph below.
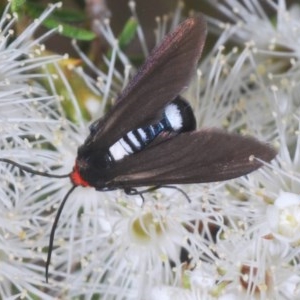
(53, 228)
(30, 170)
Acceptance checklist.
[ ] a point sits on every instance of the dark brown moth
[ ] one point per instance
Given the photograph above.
(149, 136)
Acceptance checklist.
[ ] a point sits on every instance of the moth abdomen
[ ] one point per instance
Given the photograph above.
(177, 117)
(180, 116)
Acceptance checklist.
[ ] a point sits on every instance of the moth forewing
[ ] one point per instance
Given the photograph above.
(161, 78)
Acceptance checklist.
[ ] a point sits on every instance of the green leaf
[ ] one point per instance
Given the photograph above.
(69, 30)
(128, 33)
(64, 15)
(126, 36)
(58, 19)
(16, 5)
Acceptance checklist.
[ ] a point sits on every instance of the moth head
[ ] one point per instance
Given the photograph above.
(91, 163)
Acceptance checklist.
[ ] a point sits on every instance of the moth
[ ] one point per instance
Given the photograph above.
(149, 136)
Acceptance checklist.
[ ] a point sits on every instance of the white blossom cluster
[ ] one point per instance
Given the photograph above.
(237, 239)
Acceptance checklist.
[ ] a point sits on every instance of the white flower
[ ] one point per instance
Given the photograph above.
(261, 260)
(235, 240)
(26, 122)
(284, 217)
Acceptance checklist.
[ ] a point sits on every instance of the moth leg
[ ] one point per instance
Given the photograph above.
(178, 189)
(133, 192)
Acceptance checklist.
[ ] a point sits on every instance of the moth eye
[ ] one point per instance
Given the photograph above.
(93, 127)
